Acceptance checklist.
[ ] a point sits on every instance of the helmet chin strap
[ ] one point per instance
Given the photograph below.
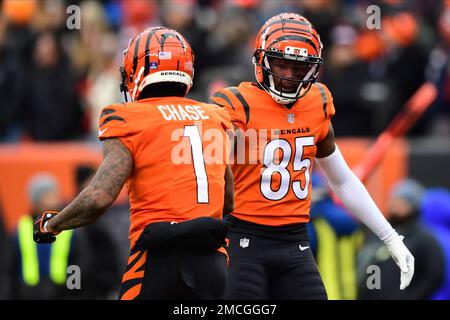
(281, 100)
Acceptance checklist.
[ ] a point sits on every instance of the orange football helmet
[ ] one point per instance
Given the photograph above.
(157, 54)
(287, 36)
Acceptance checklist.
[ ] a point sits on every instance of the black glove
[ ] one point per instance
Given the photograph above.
(38, 228)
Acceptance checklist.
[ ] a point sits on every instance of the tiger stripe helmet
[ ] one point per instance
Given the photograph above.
(158, 54)
(287, 36)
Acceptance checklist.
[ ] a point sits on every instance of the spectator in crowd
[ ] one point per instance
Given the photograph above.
(436, 215)
(382, 67)
(39, 271)
(15, 37)
(102, 81)
(438, 72)
(343, 74)
(404, 210)
(51, 106)
(83, 45)
(323, 14)
(371, 72)
(404, 61)
(335, 239)
(220, 37)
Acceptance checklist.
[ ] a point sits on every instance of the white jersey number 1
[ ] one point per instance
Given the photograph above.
(199, 164)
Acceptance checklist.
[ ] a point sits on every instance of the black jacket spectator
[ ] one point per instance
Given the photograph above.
(429, 267)
(404, 209)
(51, 103)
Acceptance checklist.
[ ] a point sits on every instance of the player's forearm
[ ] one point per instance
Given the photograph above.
(103, 190)
(87, 207)
(353, 194)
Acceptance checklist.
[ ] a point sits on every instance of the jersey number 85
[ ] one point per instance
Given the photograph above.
(299, 164)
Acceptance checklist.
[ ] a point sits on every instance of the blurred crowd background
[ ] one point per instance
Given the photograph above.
(54, 81)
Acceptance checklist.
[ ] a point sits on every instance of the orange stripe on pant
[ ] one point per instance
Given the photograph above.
(132, 274)
(132, 293)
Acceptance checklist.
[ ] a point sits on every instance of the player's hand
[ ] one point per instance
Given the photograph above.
(40, 233)
(403, 258)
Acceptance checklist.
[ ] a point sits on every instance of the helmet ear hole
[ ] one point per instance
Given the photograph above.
(256, 55)
(123, 77)
(123, 85)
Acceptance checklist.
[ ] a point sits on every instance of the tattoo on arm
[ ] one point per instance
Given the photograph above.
(104, 188)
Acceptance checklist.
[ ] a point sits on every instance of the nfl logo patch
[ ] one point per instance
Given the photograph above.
(291, 117)
(244, 242)
(153, 65)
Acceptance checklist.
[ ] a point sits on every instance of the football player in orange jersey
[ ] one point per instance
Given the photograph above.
(177, 235)
(269, 249)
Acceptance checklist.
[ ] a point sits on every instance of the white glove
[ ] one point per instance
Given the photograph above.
(402, 257)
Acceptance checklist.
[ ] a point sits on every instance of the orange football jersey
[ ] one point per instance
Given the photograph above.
(272, 177)
(178, 174)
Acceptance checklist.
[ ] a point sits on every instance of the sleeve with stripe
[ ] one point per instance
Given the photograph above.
(114, 123)
(234, 103)
(327, 108)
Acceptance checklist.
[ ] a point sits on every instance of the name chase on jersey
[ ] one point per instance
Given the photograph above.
(182, 112)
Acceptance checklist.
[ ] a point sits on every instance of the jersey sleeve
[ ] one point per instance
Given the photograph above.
(327, 108)
(116, 122)
(224, 117)
(228, 98)
(225, 121)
